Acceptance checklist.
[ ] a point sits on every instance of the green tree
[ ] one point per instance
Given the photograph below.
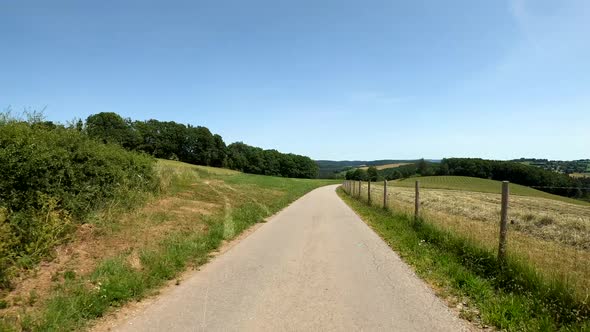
(359, 174)
(422, 167)
(219, 154)
(372, 174)
(109, 127)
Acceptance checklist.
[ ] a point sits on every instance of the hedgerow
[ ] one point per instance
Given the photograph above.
(52, 177)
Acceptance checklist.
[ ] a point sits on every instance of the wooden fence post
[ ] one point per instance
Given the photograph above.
(360, 188)
(503, 222)
(417, 201)
(385, 194)
(369, 192)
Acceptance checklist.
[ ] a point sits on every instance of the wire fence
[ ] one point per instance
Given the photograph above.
(550, 235)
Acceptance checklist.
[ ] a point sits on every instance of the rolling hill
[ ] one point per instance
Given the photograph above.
(480, 185)
(329, 168)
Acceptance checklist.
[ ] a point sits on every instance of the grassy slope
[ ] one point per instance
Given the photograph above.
(480, 185)
(199, 209)
(470, 278)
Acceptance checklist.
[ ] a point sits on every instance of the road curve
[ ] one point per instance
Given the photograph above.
(315, 266)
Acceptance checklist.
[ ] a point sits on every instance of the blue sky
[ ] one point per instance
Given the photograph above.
(329, 79)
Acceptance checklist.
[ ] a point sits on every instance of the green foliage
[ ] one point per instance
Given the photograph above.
(109, 127)
(255, 160)
(357, 174)
(372, 173)
(196, 145)
(51, 177)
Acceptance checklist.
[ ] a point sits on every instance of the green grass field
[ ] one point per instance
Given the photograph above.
(466, 183)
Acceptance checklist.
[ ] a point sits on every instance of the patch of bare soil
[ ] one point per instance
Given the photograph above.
(125, 233)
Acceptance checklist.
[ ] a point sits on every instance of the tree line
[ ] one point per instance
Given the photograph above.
(545, 180)
(195, 145)
(515, 172)
(422, 168)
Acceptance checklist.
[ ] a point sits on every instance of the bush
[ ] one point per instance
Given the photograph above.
(52, 177)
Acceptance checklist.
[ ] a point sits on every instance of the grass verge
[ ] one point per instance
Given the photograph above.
(202, 207)
(511, 297)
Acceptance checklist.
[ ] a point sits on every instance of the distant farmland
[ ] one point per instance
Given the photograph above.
(480, 185)
(580, 175)
(386, 166)
(332, 168)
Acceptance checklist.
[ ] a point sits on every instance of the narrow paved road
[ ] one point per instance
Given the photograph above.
(313, 267)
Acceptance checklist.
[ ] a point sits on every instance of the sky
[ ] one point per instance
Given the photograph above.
(330, 79)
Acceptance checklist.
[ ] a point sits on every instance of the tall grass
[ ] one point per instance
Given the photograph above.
(511, 296)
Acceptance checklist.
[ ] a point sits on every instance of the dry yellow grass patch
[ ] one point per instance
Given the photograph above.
(386, 166)
(115, 233)
(580, 175)
(552, 235)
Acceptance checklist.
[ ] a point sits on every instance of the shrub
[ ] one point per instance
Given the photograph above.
(52, 177)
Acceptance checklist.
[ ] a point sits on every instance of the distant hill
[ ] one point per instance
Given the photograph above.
(481, 185)
(329, 168)
(576, 167)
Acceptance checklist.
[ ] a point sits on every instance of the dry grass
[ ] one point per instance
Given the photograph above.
(386, 166)
(471, 184)
(552, 235)
(111, 232)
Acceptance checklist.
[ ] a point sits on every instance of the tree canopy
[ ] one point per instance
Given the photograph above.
(195, 145)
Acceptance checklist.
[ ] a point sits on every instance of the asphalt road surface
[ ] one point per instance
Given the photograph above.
(315, 266)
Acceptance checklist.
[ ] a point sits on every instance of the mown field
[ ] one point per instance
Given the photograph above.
(124, 254)
(505, 295)
(386, 166)
(466, 183)
(580, 175)
(549, 232)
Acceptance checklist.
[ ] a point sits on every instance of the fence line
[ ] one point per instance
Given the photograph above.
(553, 257)
(503, 214)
